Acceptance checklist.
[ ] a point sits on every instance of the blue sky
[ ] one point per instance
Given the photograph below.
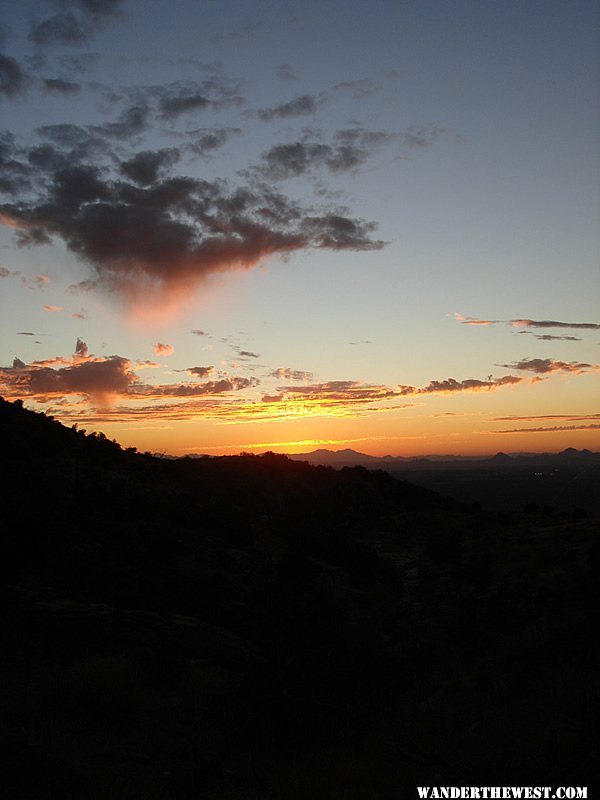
(341, 179)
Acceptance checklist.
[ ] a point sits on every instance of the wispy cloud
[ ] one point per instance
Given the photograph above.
(534, 418)
(548, 337)
(288, 374)
(474, 320)
(299, 106)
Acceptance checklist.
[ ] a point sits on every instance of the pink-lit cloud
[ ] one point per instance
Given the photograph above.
(474, 320)
(35, 282)
(163, 349)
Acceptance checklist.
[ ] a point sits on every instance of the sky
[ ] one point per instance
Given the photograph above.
(233, 225)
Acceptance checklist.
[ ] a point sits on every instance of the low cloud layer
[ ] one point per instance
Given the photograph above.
(102, 380)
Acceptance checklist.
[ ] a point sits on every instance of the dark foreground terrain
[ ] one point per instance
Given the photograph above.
(253, 627)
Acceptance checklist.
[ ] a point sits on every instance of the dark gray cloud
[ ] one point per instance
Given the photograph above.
(79, 63)
(12, 79)
(205, 141)
(421, 137)
(528, 323)
(173, 230)
(76, 143)
(247, 354)
(292, 160)
(61, 86)
(172, 105)
(298, 107)
(363, 87)
(81, 348)
(76, 25)
(200, 372)
(348, 150)
(100, 8)
(146, 166)
(547, 337)
(286, 72)
(182, 97)
(65, 28)
(14, 172)
(131, 121)
(550, 323)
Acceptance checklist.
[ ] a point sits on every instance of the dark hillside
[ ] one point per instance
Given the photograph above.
(254, 627)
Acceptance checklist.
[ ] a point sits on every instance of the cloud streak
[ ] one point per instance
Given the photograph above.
(528, 323)
(451, 386)
(552, 429)
(545, 366)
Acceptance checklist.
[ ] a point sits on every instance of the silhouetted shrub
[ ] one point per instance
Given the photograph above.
(443, 546)
(478, 568)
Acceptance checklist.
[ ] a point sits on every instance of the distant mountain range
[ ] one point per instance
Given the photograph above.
(352, 458)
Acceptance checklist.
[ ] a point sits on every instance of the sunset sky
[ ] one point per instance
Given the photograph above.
(263, 225)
